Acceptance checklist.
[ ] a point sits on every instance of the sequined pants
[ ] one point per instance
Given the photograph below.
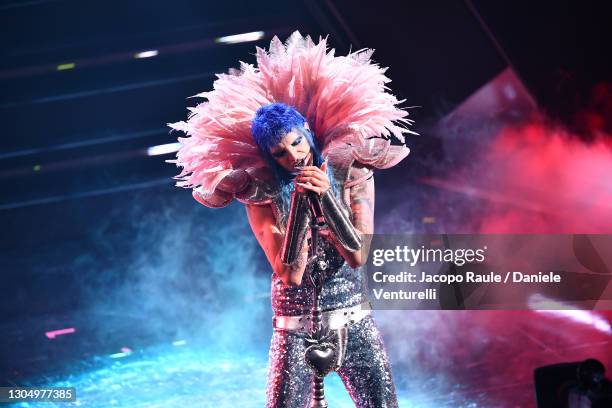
(365, 372)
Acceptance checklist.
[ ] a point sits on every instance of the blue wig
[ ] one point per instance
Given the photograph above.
(271, 123)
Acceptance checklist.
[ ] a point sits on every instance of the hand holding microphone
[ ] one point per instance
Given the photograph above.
(313, 178)
(313, 194)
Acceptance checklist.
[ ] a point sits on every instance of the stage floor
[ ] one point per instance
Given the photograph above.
(182, 376)
(439, 359)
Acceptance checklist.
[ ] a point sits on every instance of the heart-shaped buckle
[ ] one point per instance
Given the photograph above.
(321, 357)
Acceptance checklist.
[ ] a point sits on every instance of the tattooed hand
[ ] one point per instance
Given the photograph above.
(313, 178)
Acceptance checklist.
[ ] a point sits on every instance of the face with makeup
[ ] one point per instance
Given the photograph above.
(292, 152)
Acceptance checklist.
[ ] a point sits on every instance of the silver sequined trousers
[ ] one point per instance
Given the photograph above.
(365, 372)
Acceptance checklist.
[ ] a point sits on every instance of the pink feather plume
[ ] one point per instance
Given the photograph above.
(344, 99)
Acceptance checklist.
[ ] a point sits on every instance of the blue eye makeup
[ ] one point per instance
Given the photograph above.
(283, 152)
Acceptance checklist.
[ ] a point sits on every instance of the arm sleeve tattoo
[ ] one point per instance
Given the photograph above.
(362, 206)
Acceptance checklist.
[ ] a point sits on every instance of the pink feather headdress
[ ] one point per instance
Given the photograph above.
(344, 100)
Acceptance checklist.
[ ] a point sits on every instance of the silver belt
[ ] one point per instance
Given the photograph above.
(332, 319)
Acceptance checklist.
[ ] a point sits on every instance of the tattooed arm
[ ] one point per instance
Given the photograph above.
(263, 224)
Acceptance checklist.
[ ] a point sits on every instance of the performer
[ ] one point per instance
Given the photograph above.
(303, 120)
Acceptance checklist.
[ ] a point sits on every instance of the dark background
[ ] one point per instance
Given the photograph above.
(86, 128)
